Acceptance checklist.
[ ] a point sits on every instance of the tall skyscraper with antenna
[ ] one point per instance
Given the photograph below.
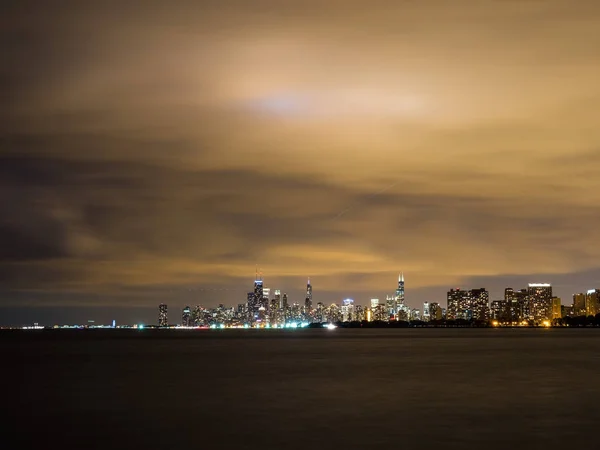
(400, 290)
(308, 299)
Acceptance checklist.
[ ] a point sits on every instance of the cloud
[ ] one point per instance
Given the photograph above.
(151, 147)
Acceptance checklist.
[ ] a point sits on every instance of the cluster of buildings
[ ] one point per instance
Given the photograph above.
(534, 305)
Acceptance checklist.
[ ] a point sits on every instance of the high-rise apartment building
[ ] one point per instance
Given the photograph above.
(468, 304)
(516, 306)
(162, 315)
(186, 317)
(540, 301)
(426, 313)
(347, 310)
(556, 308)
(579, 307)
(592, 302)
(457, 305)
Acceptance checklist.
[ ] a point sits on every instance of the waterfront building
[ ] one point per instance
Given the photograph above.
(415, 314)
(592, 302)
(497, 309)
(540, 301)
(426, 313)
(186, 317)
(333, 313)
(347, 310)
(320, 313)
(515, 306)
(359, 314)
(308, 298)
(468, 304)
(162, 315)
(435, 311)
(579, 307)
(556, 308)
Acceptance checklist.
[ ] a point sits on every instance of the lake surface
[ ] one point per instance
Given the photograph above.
(302, 389)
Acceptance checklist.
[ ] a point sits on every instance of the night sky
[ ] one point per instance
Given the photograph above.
(152, 152)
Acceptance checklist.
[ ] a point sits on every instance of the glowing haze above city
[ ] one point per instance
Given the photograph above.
(154, 153)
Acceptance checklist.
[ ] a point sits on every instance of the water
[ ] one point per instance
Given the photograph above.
(302, 389)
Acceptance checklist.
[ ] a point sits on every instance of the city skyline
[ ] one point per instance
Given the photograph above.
(480, 303)
(164, 160)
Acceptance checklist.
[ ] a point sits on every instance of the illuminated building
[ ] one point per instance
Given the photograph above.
(333, 313)
(579, 308)
(162, 315)
(457, 304)
(567, 311)
(556, 308)
(198, 315)
(400, 289)
(516, 306)
(380, 313)
(347, 310)
(320, 313)
(359, 314)
(435, 311)
(308, 298)
(497, 309)
(468, 304)
(186, 317)
(374, 303)
(480, 304)
(592, 302)
(256, 301)
(391, 305)
(540, 301)
(277, 298)
(261, 318)
(415, 314)
(395, 303)
(426, 312)
(296, 314)
(403, 313)
(368, 314)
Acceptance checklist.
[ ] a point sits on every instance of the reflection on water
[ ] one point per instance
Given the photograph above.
(415, 388)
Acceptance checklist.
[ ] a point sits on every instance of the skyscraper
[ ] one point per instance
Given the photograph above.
(400, 289)
(456, 307)
(258, 300)
(308, 299)
(284, 308)
(540, 301)
(579, 305)
(347, 310)
(426, 316)
(186, 317)
(468, 304)
(277, 297)
(556, 308)
(162, 315)
(515, 306)
(480, 304)
(592, 302)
